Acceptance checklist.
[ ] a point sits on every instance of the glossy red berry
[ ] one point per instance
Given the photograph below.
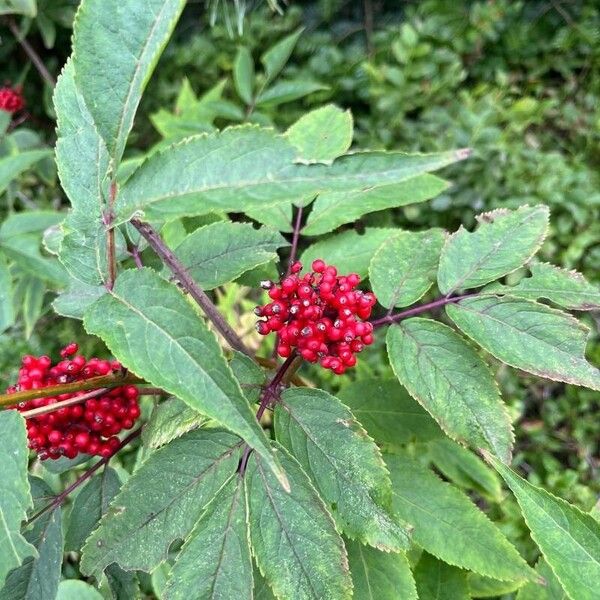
(11, 99)
(320, 315)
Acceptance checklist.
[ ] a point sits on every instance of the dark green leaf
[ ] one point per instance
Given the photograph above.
(486, 587)
(7, 314)
(275, 58)
(439, 581)
(13, 165)
(243, 74)
(33, 302)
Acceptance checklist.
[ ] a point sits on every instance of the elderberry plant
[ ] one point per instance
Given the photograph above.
(250, 481)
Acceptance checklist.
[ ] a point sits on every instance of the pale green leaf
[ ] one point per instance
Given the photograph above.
(243, 74)
(550, 589)
(278, 216)
(349, 251)
(13, 165)
(294, 540)
(405, 266)
(7, 314)
(437, 580)
(445, 374)
(503, 241)
(15, 496)
(72, 589)
(27, 8)
(568, 289)
(486, 587)
(249, 167)
(33, 302)
(221, 252)
(162, 501)
(333, 209)
(33, 221)
(215, 560)
(155, 332)
(448, 525)
(528, 336)
(380, 575)
(568, 538)
(274, 58)
(344, 464)
(77, 299)
(322, 134)
(116, 45)
(169, 420)
(89, 506)
(388, 412)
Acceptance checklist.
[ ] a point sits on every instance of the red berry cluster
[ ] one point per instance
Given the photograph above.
(90, 427)
(320, 314)
(11, 99)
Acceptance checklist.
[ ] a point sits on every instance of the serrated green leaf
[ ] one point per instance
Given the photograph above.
(243, 74)
(322, 135)
(215, 560)
(405, 266)
(568, 538)
(221, 252)
(15, 496)
(33, 221)
(486, 587)
(162, 501)
(82, 160)
(278, 216)
(449, 526)
(549, 590)
(156, 333)
(293, 537)
(568, 289)
(77, 299)
(344, 464)
(262, 591)
(444, 373)
(333, 209)
(274, 58)
(72, 589)
(437, 580)
(464, 468)
(123, 585)
(37, 578)
(169, 420)
(116, 45)
(388, 412)
(7, 313)
(528, 336)
(89, 506)
(503, 241)
(349, 251)
(13, 165)
(247, 167)
(378, 575)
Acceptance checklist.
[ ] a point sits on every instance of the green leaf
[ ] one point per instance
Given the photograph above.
(486, 587)
(243, 74)
(278, 216)
(27, 8)
(252, 378)
(13, 165)
(221, 252)
(33, 221)
(464, 468)
(380, 575)
(7, 314)
(528, 336)
(248, 167)
(82, 160)
(116, 45)
(388, 413)
(405, 266)
(169, 420)
(77, 299)
(449, 526)
(89, 506)
(262, 591)
(349, 251)
(503, 241)
(437, 580)
(568, 289)
(15, 496)
(322, 135)
(156, 333)
(162, 501)
(446, 375)
(333, 209)
(38, 576)
(552, 590)
(123, 585)
(293, 537)
(215, 560)
(568, 538)
(33, 302)
(275, 58)
(344, 464)
(72, 589)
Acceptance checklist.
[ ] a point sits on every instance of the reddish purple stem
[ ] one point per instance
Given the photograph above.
(295, 238)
